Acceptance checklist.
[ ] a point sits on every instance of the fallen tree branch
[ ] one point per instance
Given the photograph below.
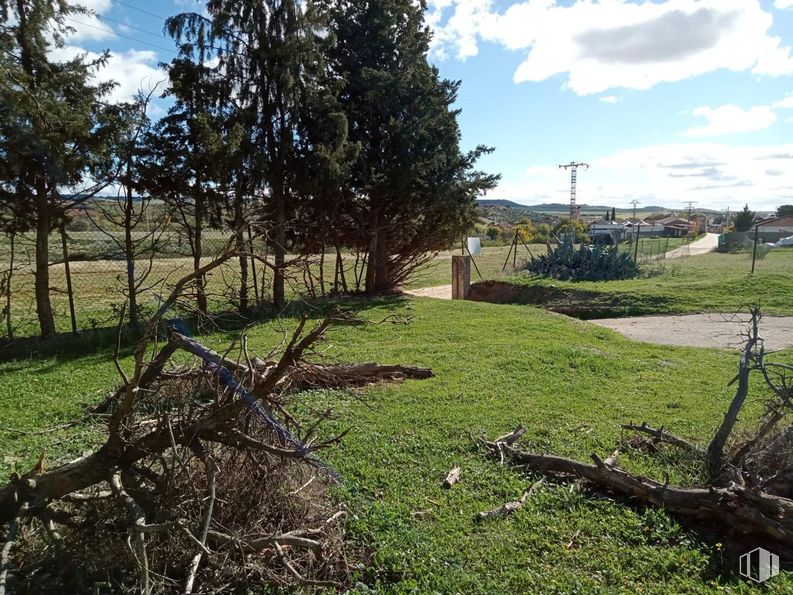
(661, 435)
(510, 507)
(743, 510)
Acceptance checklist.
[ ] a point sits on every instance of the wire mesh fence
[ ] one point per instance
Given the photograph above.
(91, 277)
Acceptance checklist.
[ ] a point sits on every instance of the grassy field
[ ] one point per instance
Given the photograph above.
(569, 382)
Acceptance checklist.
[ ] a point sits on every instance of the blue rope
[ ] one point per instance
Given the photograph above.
(231, 382)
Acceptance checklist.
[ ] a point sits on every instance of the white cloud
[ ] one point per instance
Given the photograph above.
(607, 44)
(132, 70)
(731, 119)
(87, 27)
(783, 4)
(787, 102)
(715, 175)
(609, 99)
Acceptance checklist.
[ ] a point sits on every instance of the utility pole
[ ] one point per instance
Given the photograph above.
(634, 202)
(690, 204)
(573, 167)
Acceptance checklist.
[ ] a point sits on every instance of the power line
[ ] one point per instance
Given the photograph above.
(573, 167)
(154, 45)
(690, 204)
(141, 10)
(123, 24)
(635, 202)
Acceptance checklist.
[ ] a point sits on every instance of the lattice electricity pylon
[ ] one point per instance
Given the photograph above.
(573, 166)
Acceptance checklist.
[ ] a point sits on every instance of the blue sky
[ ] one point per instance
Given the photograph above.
(669, 101)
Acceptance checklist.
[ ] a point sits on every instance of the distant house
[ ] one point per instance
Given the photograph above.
(775, 229)
(643, 228)
(606, 232)
(675, 227)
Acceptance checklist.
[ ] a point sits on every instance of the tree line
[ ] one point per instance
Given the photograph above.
(319, 122)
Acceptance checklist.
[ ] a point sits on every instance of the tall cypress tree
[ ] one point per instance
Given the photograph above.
(269, 51)
(414, 187)
(52, 137)
(190, 152)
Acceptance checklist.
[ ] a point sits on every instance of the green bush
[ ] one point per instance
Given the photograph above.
(587, 263)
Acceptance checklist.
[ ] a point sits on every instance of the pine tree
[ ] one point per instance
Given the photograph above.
(414, 189)
(191, 148)
(269, 52)
(53, 136)
(613, 214)
(744, 219)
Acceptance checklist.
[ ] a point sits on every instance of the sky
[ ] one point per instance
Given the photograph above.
(668, 101)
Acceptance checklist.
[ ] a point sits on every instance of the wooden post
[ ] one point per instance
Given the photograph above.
(754, 249)
(461, 277)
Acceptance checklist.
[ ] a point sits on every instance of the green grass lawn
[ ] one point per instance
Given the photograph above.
(569, 382)
(712, 282)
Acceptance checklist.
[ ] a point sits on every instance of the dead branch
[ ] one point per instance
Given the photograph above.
(452, 478)
(5, 554)
(209, 464)
(661, 435)
(510, 507)
(158, 419)
(743, 511)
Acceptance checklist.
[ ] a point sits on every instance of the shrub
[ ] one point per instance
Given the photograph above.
(587, 263)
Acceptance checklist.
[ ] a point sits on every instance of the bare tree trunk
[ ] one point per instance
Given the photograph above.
(68, 274)
(371, 268)
(42, 273)
(339, 277)
(198, 248)
(241, 245)
(716, 457)
(279, 249)
(322, 270)
(129, 253)
(9, 327)
(382, 265)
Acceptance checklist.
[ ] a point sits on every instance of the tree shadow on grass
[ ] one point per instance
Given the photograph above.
(102, 340)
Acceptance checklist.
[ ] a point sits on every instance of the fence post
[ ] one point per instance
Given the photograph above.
(461, 276)
(68, 272)
(754, 250)
(636, 248)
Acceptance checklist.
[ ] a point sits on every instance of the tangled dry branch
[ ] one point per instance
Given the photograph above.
(204, 478)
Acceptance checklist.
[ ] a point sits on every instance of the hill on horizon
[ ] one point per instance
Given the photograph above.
(586, 209)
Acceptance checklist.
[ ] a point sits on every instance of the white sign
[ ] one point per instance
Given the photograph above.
(474, 246)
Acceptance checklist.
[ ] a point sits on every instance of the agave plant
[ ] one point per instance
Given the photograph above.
(587, 263)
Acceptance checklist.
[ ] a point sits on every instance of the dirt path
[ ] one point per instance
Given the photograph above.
(702, 246)
(440, 292)
(700, 330)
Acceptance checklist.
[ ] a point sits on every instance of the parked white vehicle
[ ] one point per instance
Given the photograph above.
(788, 241)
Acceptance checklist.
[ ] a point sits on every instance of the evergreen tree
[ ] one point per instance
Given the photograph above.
(613, 214)
(414, 190)
(269, 53)
(191, 148)
(54, 130)
(744, 219)
(784, 211)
